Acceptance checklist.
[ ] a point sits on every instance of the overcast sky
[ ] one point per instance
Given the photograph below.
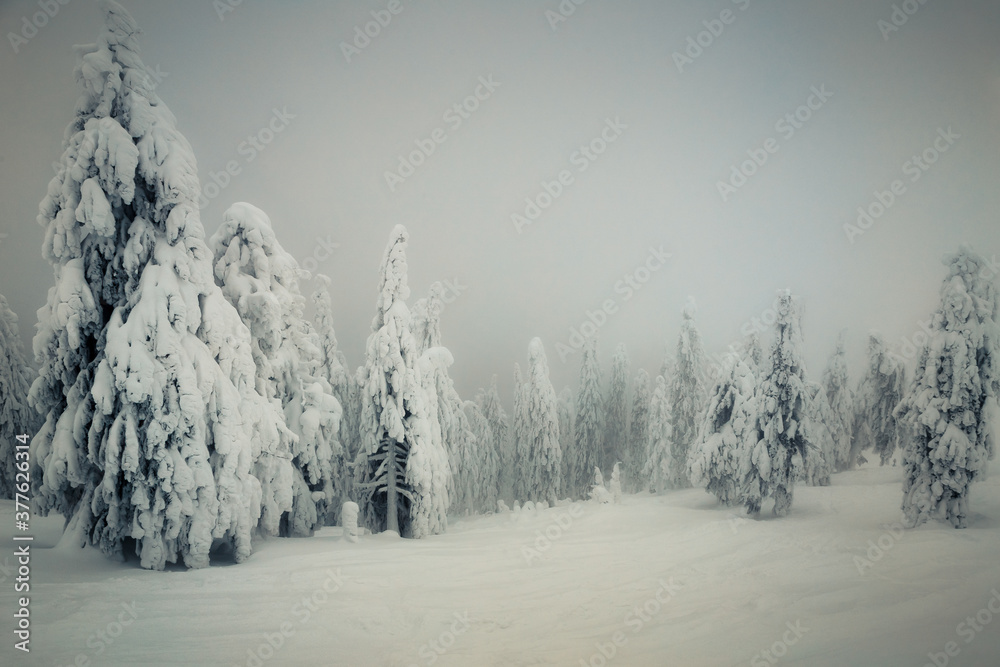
(669, 119)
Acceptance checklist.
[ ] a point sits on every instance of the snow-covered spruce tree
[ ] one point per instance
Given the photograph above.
(334, 369)
(820, 461)
(567, 413)
(261, 280)
(544, 466)
(520, 439)
(496, 418)
(487, 484)
(776, 452)
(155, 438)
(636, 445)
(686, 395)
(950, 409)
(879, 392)
(17, 418)
(456, 433)
(588, 426)
(840, 398)
(659, 442)
(716, 458)
(402, 464)
(617, 410)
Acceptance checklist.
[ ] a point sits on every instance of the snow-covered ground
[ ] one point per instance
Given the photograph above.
(676, 580)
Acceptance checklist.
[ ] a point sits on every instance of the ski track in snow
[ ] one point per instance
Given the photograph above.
(738, 584)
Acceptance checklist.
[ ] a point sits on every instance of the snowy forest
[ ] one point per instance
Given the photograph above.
(185, 404)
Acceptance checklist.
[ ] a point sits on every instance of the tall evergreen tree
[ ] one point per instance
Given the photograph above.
(567, 441)
(17, 418)
(500, 430)
(716, 459)
(154, 434)
(821, 458)
(520, 438)
(456, 433)
(656, 469)
(544, 464)
(617, 410)
(346, 389)
(776, 453)
(588, 425)
(686, 394)
(947, 409)
(638, 435)
(487, 484)
(403, 465)
(879, 392)
(836, 385)
(261, 280)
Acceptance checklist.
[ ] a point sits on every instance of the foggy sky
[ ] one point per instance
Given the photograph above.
(609, 67)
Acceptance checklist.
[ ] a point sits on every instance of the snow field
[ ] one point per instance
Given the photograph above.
(673, 579)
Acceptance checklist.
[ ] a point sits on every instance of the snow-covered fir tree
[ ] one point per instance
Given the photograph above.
(333, 367)
(456, 433)
(567, 413)
(716, 458)
(261, 280)
(496, 418)
(879, 392)
(821, 458)
(659, 442)
(520, 439)
(544, 464)
(17, 418)
(948, 407)
(636, 446)
(686, 395)
(487, 485)
(617, 412)
(154, 433)
(403, 466)
(840, 398)
(776, 453)
(588, 426)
